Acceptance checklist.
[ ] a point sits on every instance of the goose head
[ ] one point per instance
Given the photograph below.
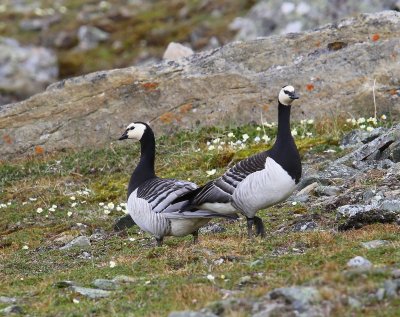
(287, 95)
(135, 130)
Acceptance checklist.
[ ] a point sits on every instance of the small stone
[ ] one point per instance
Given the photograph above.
(396, 273)
(13, 309)
(212, 228)
(380, 294)
(244, 279)
(64, 284)
(391, 287)
(90, 36)
(327, 190)
(120, 279)
(105, 284)
(274, 310)
(391, 205)
(299, 296)
(359, 262)
(81, 242)
(176, 51)
(305, 226)
(7, 300)
(189, 313)
(308, 189)
(374, 244)
(354, 303)
(91, 292)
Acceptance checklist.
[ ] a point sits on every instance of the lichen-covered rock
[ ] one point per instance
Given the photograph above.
(232, 84)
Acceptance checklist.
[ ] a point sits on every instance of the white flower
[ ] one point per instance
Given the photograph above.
(119, 208)
(245, 137)
(101, 204)
(222, 143)
(52, 209)
(9, 203)
(294, 203)
(361, 120)
(122, 204)
(258, 128)
(383, 117)
(310, 121)
(220, 147)
(147, 282)
(230, 135)
(294, 132)
(72, 198)
(257, 139)
(266, 138)
(216, 141)
(211, 147)
(369, 129)
(75, 301)
(330, 151)
(309, 134)
(210, 277)
(131, 239)
(362, 126)
(32, 199)
(110, 206)
(112, 264)
(25, 247)
(348, 120)
(54, 206)
(73, 204)
(39, 210)
(353, 121)
(69, 213)
(208, 143)
(107, 212)
(211, 172)
(238, 142)
(302, 121)
(24, 203)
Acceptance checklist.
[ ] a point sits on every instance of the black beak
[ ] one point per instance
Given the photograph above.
(124, 136)
(294, 96)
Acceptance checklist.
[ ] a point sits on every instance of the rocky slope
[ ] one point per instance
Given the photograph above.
(333, 67)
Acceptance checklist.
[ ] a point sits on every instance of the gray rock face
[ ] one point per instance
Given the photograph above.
(7, 300)
(277, 17)
(225, 85)
(189, 313)
(299, 297)
(105, 284)
(11, 310)
(359, 262)
(90, 36)
(374, 244)
(25, 70)
(91, 292)
(79, 242)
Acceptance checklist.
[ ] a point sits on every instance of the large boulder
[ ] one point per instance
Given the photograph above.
(25, 70)
(333, 68)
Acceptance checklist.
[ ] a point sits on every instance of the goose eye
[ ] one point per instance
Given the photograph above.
(286, 92)
(131, 128)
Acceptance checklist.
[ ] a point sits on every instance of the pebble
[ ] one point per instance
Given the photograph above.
(299, 296)
(359, 262)
(374, 244)
(7, 300)
(189, 313)
(91, 292)
(13, 309)
(105, 284)
(81, 242)
(124, 279)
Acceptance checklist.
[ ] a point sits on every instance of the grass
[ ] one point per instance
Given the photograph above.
(172, 277)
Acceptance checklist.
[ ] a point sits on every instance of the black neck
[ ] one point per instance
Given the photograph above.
(145, 169)
(284, 151)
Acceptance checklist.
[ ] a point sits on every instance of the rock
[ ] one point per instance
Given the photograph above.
(276, 17)
(396, 273)
(176, 51)
(391, 205)
(275, 309)
(305, 226)
(327, 190)
(391, 287)
(39, 24)
(354, 303)
(25, 70)
(98, 235)
(124, 222)
(374, 244)
(65, 40)
(245, 279)
(352, 138)
(231, 304)
(11, 310)
(7, 300)
(105, 284)
(91, 292)
(90, 37)
(299, 198)
(123, 279)
(359, 262)
(79, 242)
(308, 189)
(300, 297)
(189, 313)
(337, 170)
(355, 216)
(213, 88)
(212, 228)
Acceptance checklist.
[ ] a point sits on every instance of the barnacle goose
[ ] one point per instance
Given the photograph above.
(258, 181)
(150, 197)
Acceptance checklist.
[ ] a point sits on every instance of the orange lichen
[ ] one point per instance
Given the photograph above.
(375, 37)
(310, 87)
(185, 108)
(150, 86)
(393, 92)
(167, 117)
(7, 139)
(265, 107)
(39, 149)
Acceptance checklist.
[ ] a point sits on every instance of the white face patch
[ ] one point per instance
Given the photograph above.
(135, 130)
(284, 97)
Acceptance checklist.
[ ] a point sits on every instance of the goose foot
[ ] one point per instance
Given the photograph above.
(195, 237)
(260, 230)
(250, 222)
(159, 241)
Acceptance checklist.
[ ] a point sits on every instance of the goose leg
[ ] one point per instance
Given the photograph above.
(195, 237)
(250, 222)
(159, 241)
(260, 230)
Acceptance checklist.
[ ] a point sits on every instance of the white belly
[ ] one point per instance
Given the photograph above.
(221, 208)
(263, 188)
(183, 227)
